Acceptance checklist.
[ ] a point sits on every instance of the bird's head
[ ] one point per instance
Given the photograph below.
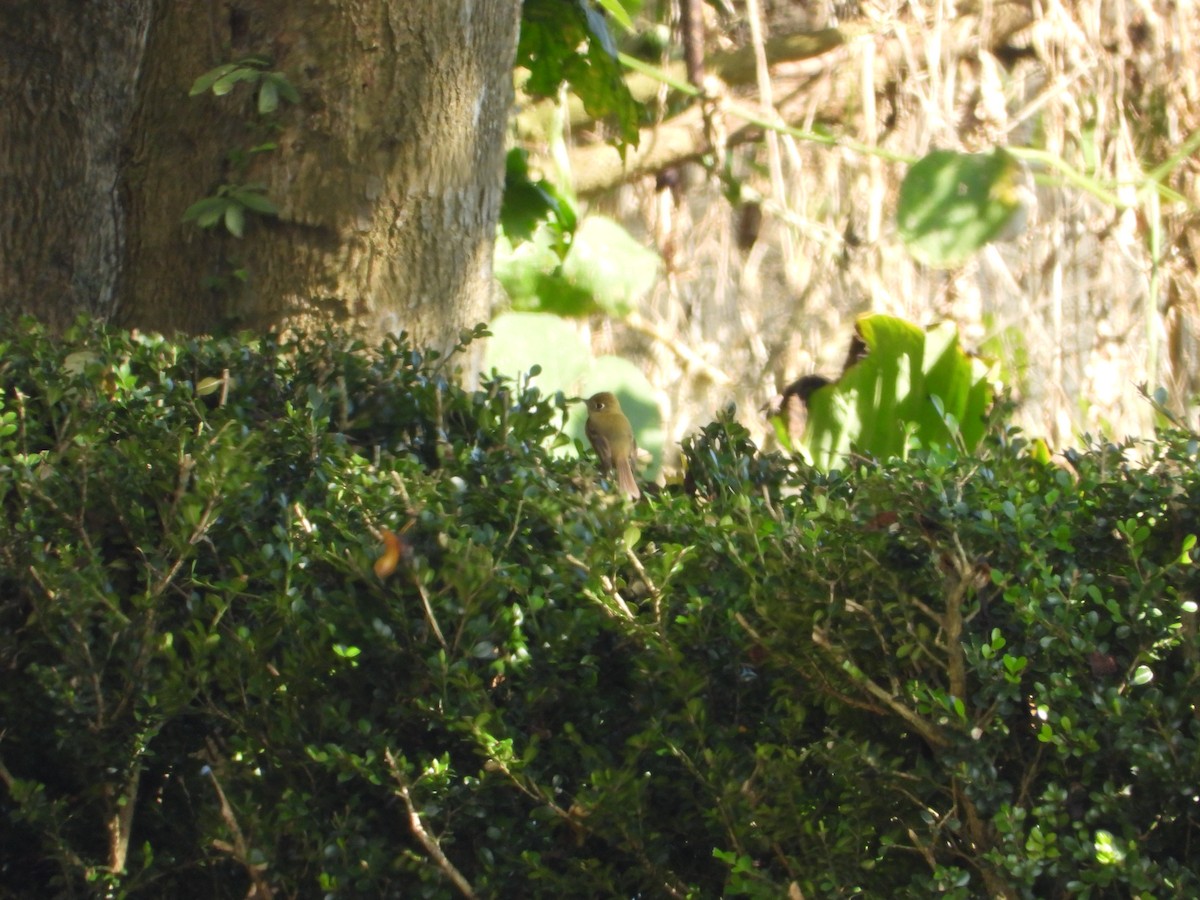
(604, 401)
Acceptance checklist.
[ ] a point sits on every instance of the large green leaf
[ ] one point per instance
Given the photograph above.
(912, 385)
(521, 340)
(951, 204)
(605, 270)
(610, 265)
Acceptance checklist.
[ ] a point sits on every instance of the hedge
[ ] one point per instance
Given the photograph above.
(299, 618)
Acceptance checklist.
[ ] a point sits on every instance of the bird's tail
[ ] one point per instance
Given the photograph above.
(626, 480)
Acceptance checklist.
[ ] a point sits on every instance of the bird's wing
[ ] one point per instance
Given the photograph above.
(599, 444)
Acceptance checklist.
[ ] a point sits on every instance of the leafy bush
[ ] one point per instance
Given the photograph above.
(973, 676)
(902, 385)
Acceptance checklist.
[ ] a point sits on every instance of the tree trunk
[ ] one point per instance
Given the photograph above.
(68, 73)
(387, 174)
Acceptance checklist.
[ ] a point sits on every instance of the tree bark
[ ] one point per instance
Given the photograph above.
(388, 173)
(68, 72)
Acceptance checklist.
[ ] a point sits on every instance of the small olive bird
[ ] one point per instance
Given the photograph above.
(612, 438)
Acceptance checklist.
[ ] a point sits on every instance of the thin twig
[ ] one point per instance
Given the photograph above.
(618, 602)
(426, 840)
(770, 137)
(240, 848)
(66, 854)
(437, 631)
(575, 818)
(618, 605)
(926, 729)
(655, 593)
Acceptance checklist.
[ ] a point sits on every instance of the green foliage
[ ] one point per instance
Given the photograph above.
(951, 204)
(603, 270)
(617, 10)
(530, 203)
(609, 266)
(569, 42)
(911, 387)
(231, 203)
(272, 86)
(969, 675)
(521, 340)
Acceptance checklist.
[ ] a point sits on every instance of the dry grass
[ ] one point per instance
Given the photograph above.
(1075, 308)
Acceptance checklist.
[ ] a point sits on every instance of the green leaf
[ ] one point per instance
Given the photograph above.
(531, 274)
(484, 650)
(597, 27)
(520, 340)
(268, 97)
(207, 212)
(885, 400)
(235, 219)
(631, 536)
(254, 201)
(605, 270)
(209, 78)
(283, 86)
(78, 362)
(609, 265)
(210, 385)
(563, 41)
(1185, 554)
(202, 206)
(951, 204)
(1108, 852)
(519, 269)
(530, 203)
(229, 80)
(618, 12)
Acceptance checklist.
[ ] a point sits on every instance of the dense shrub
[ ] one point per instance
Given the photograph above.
(968, 676)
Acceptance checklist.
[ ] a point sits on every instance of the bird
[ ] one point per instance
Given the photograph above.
(611, 436)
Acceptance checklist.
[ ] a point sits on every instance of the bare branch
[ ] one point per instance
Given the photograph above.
(927, 730)
(429, 616)
(426, 840)
(239, 849)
